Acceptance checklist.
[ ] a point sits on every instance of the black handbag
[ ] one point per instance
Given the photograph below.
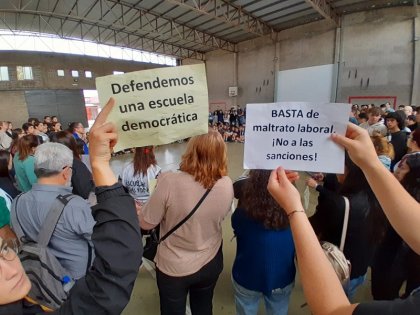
(153, 241)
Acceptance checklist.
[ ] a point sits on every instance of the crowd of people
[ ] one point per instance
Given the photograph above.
(101, 248)
(229, 123)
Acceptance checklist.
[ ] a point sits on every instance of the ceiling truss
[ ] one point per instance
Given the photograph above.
(179, 28)
(103, 34)
(227, 13)
(323, 8)
(120, 23)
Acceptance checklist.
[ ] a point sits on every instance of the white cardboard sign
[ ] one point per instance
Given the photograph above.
(157, 106)
(295, 135)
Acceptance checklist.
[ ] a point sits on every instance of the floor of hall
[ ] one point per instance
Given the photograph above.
(145, 297)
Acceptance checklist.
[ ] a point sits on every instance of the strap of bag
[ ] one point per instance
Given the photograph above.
(176, 227)
(346, 223)
(17, 228)
(52, 218)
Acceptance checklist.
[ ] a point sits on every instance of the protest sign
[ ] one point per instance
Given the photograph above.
(157, 106)
(295, 135)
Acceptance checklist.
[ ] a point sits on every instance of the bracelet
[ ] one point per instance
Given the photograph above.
(293, 212)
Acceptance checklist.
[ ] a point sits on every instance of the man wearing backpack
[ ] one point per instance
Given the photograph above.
(71, 239)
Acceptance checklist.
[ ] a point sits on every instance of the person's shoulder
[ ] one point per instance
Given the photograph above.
(224, 186)
(78, 202)
(128, 167)
(225, 180)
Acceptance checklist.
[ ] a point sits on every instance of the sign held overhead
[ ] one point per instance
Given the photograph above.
(157, 106)
(295, 135)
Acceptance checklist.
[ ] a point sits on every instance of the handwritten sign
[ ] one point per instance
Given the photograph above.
(295, 135)
(157, 106)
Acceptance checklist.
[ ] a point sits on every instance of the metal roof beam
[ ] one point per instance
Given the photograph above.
(325, 9)
(150, 19)
(228, 13)
(146, 43)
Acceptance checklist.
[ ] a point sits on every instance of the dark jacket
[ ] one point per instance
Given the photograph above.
(7, 185)
(328, 224)
(81, 179)
(399, 142)
(107, 287)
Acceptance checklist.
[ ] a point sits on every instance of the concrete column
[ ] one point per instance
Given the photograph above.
(235, 77)
(276, 67)
(338, 46)
(415, 90)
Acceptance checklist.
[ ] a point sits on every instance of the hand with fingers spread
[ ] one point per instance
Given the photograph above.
(103, 137)
(283, 191)
(358, 144)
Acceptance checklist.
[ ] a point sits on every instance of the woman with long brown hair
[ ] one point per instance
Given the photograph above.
(190, 259)
(24, 162)
(139, 173)
(264, 264)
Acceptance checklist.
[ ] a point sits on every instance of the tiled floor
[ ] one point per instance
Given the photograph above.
(145, 298)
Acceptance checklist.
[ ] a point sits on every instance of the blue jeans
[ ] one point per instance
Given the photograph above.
(353, 285)
(247, 301)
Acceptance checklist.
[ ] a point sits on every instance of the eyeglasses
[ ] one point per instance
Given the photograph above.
(9, 250)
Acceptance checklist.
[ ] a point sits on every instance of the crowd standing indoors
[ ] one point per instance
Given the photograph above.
(100, 248)
(107, 286)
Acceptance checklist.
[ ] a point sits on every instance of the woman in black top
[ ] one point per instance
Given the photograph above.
(395, 262)
(6, 182)
(365, 226)
(81, 179)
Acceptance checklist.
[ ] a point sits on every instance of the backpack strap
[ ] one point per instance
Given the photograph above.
(17, 228)
(345, 223)
(52, 218)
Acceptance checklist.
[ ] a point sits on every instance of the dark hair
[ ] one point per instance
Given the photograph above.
(25, 145)
(26, 126)
(363, 116)
(415, 136)
(356, 182)
(37, 123)
(259, 203)
(80, 144)
(73, 126)
(411, 181)
(399, 116)
(66, 138)
(16, 132)
(32, 120)
(4, 163)
(46, 117)
(143, 158)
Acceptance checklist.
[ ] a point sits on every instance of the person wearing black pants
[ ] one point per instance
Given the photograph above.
(173, 291)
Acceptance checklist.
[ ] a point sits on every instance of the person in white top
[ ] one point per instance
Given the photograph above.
(138, 174)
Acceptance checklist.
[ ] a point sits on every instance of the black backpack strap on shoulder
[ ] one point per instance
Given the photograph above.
(176, 227)
(56, 210)
(17, 228)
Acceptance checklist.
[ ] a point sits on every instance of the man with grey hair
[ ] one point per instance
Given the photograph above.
(71, 240)
(5, 139)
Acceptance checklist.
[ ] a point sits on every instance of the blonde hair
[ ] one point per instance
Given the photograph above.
(205, 158)
(383, 146)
